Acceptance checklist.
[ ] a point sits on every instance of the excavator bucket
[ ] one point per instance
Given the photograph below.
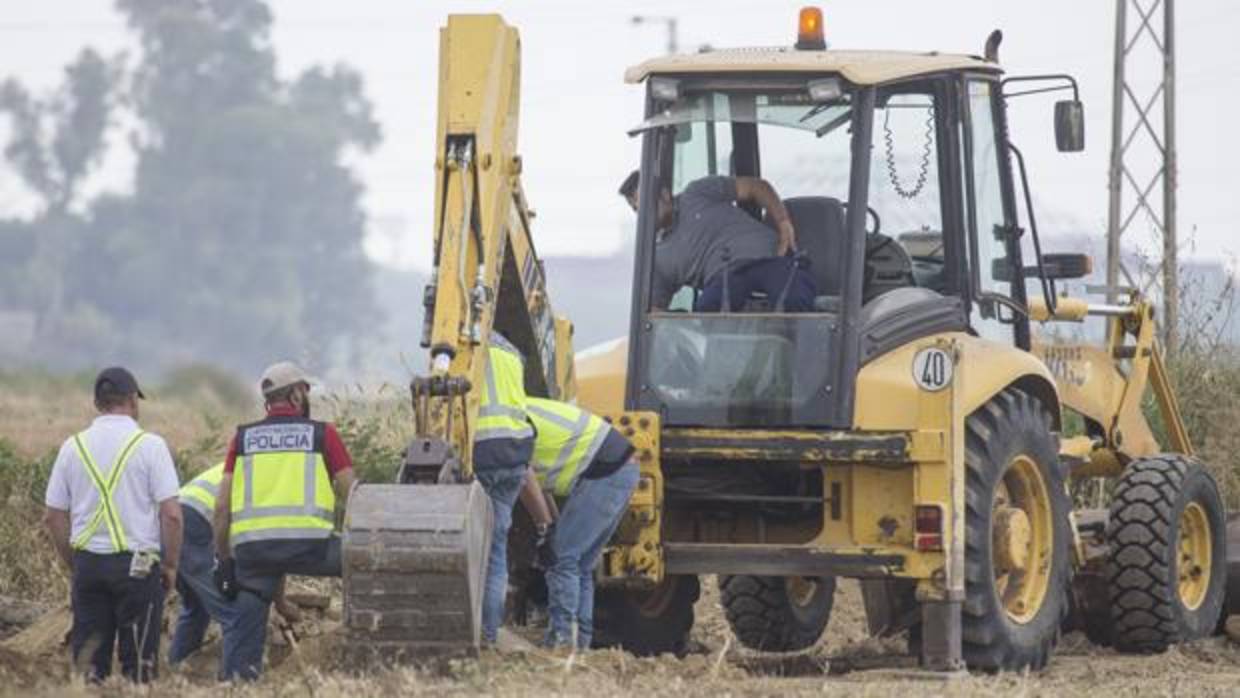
(414, 564)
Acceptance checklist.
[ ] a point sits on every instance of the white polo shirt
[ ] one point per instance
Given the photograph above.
(149, 479)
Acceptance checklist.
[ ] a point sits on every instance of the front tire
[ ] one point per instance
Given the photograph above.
(1017, 565)
(777, 614)
(1168, 568)
(647, 623)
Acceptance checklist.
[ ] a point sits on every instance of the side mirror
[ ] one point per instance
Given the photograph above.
(1058, 266)
(1070, 126)
(1067, 265)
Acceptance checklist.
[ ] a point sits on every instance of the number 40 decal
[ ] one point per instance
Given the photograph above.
(932, 369)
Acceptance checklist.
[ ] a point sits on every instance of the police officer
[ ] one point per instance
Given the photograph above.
(111, 508)
(503, 442)
(581, 458)
(201, 601)
(275, 512)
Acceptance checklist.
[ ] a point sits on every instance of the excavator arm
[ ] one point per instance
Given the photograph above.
(486, 273)
(414, 552)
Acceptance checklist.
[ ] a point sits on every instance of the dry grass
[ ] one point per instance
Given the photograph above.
(716, 668)
(1209, 385)
(37, 423)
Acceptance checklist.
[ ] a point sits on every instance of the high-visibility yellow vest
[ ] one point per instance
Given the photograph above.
(200, 493)
(501, 410)
(106, 513)
(280, 487)
(567, 440)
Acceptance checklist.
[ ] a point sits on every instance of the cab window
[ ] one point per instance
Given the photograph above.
(988, 253)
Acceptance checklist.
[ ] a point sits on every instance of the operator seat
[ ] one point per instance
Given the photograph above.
(819, 222)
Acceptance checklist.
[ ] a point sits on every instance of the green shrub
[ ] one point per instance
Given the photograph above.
(375, 428)
(206, 450)
(21, 478)
(28, 565)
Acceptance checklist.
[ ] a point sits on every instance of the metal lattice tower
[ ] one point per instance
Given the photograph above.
(1147, 133)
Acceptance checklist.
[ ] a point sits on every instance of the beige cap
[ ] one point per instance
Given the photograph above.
(282, 375)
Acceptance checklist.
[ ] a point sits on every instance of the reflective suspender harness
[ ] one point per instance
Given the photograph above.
(280, 487)
(106, 513)
(568, 438)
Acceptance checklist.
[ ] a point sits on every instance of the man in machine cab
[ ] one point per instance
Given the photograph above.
(708, 241)
(275, 513)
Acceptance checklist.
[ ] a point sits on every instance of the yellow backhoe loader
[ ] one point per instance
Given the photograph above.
(909, 430)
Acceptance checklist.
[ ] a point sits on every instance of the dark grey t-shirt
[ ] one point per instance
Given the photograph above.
(707, 223)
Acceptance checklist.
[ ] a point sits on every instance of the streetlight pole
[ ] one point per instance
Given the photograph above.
(673, 45)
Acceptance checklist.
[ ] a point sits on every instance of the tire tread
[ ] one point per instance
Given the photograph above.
(757, 610)
(1145, 615)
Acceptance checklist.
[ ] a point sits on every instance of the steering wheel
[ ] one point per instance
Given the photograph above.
(871, 213)
(878, 222)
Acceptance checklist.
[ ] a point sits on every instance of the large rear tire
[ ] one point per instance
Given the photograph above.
(647, 623)
(777, 614)
(1017, 538)
(1168, 570)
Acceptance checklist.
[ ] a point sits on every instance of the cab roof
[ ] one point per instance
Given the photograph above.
(857, 67)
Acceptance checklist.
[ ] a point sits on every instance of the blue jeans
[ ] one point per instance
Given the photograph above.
(769, 276)
(201, 603)
(502, 485)
(591, 514)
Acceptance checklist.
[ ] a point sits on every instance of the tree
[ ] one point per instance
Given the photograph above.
(55, 145)
(242, 238)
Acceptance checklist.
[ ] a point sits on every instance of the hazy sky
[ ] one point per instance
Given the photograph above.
(576, 109)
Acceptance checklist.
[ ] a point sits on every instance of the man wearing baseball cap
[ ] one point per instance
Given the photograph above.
(111, 510)
(275, 513)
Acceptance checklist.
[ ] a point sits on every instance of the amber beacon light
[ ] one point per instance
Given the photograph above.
(809, 30)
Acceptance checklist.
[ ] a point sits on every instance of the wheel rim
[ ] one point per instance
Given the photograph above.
(1022, 535)
(1195, 556)
(801, 590)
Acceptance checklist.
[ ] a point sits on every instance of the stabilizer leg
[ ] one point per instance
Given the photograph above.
(940, 638)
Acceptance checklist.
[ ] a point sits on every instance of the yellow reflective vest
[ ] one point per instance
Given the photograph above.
(567, 440)
(280, 487)
(503, 436)
(200, 493)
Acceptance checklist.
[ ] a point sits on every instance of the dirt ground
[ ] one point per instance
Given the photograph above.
(845, 663)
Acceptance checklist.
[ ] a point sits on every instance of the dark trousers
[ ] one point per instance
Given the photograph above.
(770, 276)
(259, 582)
(112, 609)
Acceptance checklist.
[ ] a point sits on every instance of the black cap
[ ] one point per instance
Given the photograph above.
(116, 381)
